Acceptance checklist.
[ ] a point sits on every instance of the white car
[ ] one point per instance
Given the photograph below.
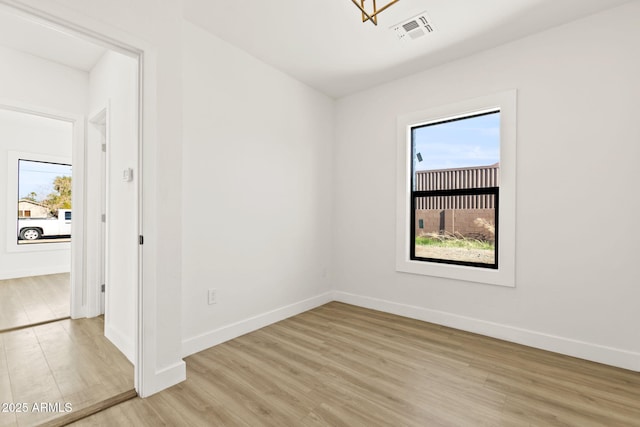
(37, 228)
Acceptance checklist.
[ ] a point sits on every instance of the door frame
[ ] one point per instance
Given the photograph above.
(146, 379)
(96, 269)
(77, 304)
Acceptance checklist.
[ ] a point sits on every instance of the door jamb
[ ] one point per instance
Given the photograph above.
(94, 293)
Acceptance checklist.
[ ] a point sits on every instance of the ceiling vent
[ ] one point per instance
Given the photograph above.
(414, 28)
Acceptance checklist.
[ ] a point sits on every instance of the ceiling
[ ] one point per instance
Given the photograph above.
(30, 36)
(325, 44)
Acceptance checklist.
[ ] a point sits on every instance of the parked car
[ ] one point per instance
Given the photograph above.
(37, 228)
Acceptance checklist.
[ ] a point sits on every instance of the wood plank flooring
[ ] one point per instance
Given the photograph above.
(68, 361)
(340, 365)
(30, 300)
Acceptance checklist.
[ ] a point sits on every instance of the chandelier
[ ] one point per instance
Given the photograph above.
(373, 15)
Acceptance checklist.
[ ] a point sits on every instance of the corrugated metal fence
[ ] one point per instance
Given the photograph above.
(457, 178)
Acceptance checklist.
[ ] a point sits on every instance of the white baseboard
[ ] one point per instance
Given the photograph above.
(570, 347)
(165, 378)
(201, 342)
(583, 350)
(35, 271)
(121, 341)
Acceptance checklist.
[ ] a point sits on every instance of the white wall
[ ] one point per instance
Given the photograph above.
(31, 81)
(256, 192)
(577, 203)
(113, 86)
(35, 81)
(40, 138)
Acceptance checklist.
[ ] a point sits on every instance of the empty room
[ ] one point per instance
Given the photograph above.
(344, 213)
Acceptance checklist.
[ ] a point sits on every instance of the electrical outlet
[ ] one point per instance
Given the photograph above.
(212, 296)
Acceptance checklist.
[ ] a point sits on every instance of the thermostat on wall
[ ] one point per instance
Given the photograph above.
(127, 175)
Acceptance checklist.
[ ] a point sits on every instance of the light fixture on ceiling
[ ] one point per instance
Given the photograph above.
(371, 16)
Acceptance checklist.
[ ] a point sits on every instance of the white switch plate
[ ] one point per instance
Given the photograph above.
(212, 296)
(127, 175)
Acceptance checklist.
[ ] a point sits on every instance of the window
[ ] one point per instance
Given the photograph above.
(44, 202)
(456, 191)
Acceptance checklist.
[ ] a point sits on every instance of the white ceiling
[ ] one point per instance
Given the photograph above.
(326, 45)
(30, 36)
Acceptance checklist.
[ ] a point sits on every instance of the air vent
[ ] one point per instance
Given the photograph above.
(414, 28)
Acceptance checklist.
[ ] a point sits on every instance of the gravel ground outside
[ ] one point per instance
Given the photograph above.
(485, 256)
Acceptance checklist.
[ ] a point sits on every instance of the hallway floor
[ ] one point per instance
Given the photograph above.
(64, 362)
(30, 300)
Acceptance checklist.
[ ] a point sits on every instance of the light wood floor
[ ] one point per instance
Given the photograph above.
(68, 361)
(340, 365)
(30, 300)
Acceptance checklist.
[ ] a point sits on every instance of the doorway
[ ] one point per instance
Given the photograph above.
(104, 247)
(98, 81)
(36, 189)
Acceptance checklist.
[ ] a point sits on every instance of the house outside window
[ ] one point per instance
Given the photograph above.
(31, 209)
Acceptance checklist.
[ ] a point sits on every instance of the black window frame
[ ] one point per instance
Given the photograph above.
(494, 191)
(473, 191)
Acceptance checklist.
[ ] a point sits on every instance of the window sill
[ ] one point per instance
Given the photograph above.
(499, 277)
